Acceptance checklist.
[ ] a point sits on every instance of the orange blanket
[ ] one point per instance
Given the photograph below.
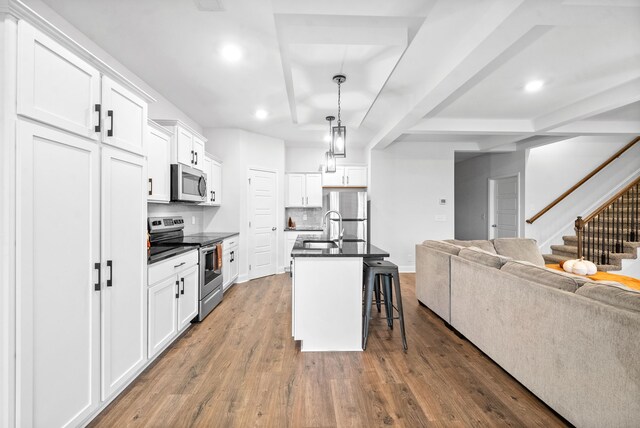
(606, 276)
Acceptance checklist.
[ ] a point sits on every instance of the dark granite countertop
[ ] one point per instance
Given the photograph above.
(304, 229)
(153, 256)
(350, 248)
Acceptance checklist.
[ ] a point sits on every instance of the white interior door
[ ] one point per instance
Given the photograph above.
(262, 228)
(504, 207)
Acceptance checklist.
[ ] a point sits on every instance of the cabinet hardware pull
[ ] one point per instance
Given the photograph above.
(182, 291)
(177, 266)
(347, 179)
(110, 131)
(302, 202)
(98, 109)
(343, 179)
(214, 196)
(274, 228)
(233, 256)
(196, 158)
(307, 200)
(192, 152)
(97, 284)
(150, 186)
(110, 266)
(177, 289)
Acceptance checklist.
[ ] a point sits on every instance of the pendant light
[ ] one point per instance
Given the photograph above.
(330, 164)
(339, 133)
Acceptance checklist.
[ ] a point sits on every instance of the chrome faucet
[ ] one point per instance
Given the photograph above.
(340, 229)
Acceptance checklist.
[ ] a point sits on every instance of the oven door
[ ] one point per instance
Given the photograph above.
(210, 269)
(187, 184)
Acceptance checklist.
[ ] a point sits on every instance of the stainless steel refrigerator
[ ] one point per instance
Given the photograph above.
(353, 208)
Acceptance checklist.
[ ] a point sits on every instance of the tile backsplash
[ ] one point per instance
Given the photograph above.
(314, 216)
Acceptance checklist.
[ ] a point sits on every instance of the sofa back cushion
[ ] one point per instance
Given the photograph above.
(486, 258)
(445, 247)
(524, 249)
(612, 293)
(483, 245)
(545, 276)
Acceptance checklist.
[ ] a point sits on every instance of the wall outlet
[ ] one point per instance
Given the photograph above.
(193, 219)
(304, 216)
(410, 257)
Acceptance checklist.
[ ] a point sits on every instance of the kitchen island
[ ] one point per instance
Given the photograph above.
(327, 292)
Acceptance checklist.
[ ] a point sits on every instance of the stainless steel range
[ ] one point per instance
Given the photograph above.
(167, 234)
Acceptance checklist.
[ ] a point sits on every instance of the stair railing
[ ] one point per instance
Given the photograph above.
(604, 231)
(584, 180)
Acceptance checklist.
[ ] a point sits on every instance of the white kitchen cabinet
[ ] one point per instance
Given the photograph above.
(58, 306)
(173, 299)
(159, 163)
(304, 190)
(55, 86)
(346, 176)
(230, 263)
(213, 169)
(187, 146)
(124, 118)
(290, 239)
(124, 258)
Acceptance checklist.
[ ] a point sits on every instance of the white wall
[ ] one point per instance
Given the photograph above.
(472, 191)
(554, 168)
(240, 150)
(303, 159)
(407, 181)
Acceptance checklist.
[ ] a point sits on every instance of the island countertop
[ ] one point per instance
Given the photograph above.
(350, 248)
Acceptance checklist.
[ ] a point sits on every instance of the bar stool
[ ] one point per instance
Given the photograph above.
(376, 272)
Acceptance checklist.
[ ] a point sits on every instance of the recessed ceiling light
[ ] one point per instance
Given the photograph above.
(534, 85)
(261, 114)
(231, 53)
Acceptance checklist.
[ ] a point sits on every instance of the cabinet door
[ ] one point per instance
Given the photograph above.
(55, 86)
(207, 171)
(159, 166)
(198, 154)
(333, 179)
(58, 306)
(188, 299)
(162, 314)
(356, 176)
(124, 213)
(124, 117)
(226, 268)
(235, 265)
(184, 142)
(290, 240)
(313, 190)
(295, 190)
(216, 183)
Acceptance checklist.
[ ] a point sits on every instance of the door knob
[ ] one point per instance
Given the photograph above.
(274, 228)
(494, 225)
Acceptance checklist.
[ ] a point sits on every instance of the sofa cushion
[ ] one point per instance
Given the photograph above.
(612, 293)
(444, 246)
(483, 245)
(486, 258)
(541, 275)
(524, 249)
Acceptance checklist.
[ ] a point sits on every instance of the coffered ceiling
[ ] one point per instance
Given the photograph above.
(417, 70)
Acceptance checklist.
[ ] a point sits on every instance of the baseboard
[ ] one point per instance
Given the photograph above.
(242, 278)
(407, 269)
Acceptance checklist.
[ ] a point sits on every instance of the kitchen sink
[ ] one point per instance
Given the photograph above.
(319, 244)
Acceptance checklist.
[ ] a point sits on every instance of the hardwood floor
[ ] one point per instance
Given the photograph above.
(240, 368)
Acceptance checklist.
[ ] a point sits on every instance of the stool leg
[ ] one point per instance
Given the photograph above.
(388, 300)
(368, 297)
(396, 279)
(378, 287)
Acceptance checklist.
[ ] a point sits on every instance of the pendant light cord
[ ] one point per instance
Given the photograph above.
(339, 122)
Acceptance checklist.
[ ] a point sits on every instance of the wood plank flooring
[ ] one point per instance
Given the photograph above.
(241, 368)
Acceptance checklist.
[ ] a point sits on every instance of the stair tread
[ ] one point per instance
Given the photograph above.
(571, 249)
(554, 258)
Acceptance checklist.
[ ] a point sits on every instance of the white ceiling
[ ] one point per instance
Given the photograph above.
(417, 70)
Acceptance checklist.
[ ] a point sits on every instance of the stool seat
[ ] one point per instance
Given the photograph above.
(380, 264)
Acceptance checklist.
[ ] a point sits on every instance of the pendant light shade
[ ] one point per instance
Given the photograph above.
(339, 132)
(330, 161)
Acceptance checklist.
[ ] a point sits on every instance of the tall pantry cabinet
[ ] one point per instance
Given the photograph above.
(81, 186)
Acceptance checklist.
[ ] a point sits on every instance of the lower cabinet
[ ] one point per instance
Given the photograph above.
(173, 300)
(230, 265)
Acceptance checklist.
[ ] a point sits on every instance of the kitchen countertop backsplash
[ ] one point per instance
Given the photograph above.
(313, 221)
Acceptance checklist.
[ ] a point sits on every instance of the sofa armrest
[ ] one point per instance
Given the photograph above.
(433, 279)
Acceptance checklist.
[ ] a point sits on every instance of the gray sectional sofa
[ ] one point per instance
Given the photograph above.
(572, 342)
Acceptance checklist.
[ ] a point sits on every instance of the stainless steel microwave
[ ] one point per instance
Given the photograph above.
(187, 184)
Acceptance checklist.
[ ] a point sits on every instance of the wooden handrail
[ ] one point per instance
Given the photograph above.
(611, 200)
(581, 182)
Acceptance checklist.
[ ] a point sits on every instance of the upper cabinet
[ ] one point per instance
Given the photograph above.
(187, 146)
(304, 190)
(61, 89)
(213, 169)
(346, 176)
(159, 163)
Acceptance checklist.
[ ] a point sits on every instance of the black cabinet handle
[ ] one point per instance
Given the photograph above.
(192, 153)
(150, 186)
(110, 131)
(214, 196)
(233, 256)
(110, 266)
(97, 284)
(98, 108)
(182, 291)
(177, 289)
(196, 158)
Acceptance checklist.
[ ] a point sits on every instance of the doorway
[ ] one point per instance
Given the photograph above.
(504, 207)
(263, 248)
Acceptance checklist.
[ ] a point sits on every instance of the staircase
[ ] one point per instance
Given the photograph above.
(607, 236)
